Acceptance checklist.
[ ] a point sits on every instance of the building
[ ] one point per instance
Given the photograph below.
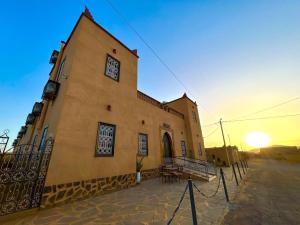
(219, 157)
(100, 122)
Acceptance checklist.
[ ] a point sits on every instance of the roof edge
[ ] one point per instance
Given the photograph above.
(184, 96)
(133, 52)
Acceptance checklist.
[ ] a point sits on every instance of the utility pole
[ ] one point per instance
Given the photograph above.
(221, 125)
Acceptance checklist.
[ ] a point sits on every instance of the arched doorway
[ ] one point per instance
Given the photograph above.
(167, 141)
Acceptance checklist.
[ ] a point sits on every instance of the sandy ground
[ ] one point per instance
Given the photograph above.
(269, 195)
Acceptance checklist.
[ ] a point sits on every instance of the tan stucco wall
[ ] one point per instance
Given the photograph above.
(88, 94)
(154, 118)
(194, 132)
(220, 153)
(84, 94)
(220, 157)
(25, 138)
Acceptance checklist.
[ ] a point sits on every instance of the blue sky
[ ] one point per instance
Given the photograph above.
(234, 57)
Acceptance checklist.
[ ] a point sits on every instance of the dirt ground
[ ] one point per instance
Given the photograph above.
(269, 195)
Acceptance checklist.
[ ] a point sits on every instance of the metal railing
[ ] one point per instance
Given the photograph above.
(201, 166)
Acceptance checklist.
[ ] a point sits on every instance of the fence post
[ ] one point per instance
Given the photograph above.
(239, 170)
(224, 184)
(192, 200)
(242, 165)
(233, 169)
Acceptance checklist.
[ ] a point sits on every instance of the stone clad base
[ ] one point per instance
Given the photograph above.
(64, 193)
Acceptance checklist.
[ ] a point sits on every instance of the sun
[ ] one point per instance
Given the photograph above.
(258, 139)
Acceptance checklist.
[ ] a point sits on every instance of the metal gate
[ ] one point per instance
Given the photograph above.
(3, 141)
(22, 177)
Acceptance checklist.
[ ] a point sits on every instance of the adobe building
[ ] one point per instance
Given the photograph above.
(100, 122)
(219, 157)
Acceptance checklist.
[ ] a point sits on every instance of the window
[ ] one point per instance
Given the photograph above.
(105, 139)
(60, 69)
(112, 68)
(199, 149)
(143, 144)
(194, 116)
(183, 148)
(43, 139)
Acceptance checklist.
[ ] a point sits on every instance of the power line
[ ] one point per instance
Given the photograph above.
(262, 118)
(270, 107)
(153, 52)
(210, 124)
(259, 111)
(211, 133)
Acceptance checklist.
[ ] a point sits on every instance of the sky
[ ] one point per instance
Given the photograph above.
(233, 57)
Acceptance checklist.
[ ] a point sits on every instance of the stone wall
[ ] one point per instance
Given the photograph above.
(63, 193)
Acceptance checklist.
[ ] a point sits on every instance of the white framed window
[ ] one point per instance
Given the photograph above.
(143, 144)
(105, 139)
(112, 68)
(183, 148)
(60, 70)
(43, 139)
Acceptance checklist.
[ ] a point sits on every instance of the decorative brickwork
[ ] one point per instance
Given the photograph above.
(149, 174)
(69, 192)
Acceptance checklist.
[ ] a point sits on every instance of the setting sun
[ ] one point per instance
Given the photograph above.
(257, 139)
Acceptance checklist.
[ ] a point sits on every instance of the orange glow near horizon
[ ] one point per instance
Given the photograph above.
(282, 131)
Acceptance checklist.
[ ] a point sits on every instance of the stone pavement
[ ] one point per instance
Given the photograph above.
(270, 195)
(150, 203)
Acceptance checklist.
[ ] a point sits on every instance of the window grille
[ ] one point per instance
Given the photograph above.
(112, 68)
(143, 144)
(105, 139)
(183, 148)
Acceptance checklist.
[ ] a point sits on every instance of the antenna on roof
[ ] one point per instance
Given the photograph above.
(88, 13)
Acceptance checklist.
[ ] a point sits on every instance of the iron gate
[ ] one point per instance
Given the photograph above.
(22, 177)
(3, 141)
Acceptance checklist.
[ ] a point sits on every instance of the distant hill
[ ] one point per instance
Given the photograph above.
(281, 152)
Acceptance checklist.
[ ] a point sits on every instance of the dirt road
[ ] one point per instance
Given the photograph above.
(270, 195)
